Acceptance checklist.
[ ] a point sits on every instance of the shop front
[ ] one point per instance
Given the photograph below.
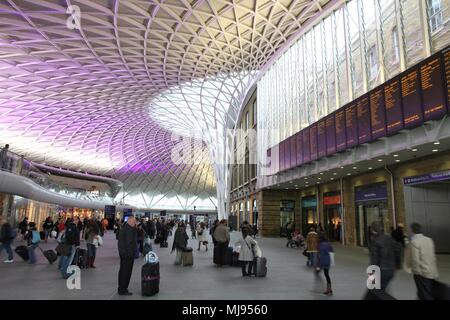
(309, 213)
(286, 215)
(371, 205)
(333, 216)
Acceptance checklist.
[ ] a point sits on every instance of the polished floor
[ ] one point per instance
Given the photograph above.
(287, 278)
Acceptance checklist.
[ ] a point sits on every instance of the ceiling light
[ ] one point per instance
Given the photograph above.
(349, 174)
(414, 150)
(437, 143)
(370, 168)
(319, 178)
(395, 155)
(306, 178)
(435, 150)
(321, 173)
(332, 179)
(342, 167)
(380, 160)
(397, 160)
(290, 181)
(335, 173)
(354, 168)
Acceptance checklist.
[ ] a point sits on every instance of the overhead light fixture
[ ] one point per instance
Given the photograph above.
(290, 181)
(354, 168)
(349, 174)
(342, 167)
(437, 143)
(414, 150)
(321, 173)
(334, 173)
(319, 178)
(380, 160)
(435, 150)
(395, 155)
(332, 179)
(306, 178)
(370, 168)
(397, 160)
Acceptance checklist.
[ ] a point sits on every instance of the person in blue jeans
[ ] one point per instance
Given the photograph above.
(324, 261)
(6, 238)
(33, 238)
(72, 239)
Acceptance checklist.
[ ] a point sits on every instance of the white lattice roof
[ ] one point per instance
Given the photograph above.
(106, 98)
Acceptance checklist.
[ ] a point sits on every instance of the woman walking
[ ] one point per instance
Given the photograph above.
(325, 261)
(202, 236)
(92, 234)
(246, 254)
(180, 242)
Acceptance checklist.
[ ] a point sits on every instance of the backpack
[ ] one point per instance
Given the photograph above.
(35, 237)
(71, 234)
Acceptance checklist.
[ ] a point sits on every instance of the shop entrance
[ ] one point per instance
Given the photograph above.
(333, 219)
(371, 206)
(309, 214)
(286, 216)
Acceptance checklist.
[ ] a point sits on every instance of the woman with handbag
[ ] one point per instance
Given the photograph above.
(91, 235)
(326, 259)
(246, 253)
(202, 236)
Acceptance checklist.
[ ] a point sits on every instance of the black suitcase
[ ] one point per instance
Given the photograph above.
(150, 279)
(229, 256)
(81, 258)
(42, 235)
(164, 244)
(22, 251)
(50, 255)
(216, 258)
(157, 239)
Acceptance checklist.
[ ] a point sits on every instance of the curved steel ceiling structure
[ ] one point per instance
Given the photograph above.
(106, 96)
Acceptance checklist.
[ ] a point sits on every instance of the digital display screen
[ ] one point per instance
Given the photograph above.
(341, 140)
(293, 142)
(306, 153)
(331, 134)
(377, 113)
(393, 106)
(281, 155)
(299, 138)
(313, 142)
(287, 154)
(446, 58)
(321, 138)
(411, 100)
(363, 120)
(432, 88)
(351, 128)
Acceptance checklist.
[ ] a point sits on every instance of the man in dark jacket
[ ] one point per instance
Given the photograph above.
(6, 238)
(127, 245)
(399, 235)
(72, 240)
(385, 252)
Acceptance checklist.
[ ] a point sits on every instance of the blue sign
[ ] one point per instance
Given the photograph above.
(309, 203)
(426, 178)
(377, 192)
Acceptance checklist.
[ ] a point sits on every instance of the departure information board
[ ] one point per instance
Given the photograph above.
(331, 134)
(377, 113)
(299, 148)
(351, 127)
(393, 106)
(293, 142)
(363, 119)
(419, 94)
(341, 142)
(432, 88)
(446, 57)
(411, 100)
(306, 153)
(313, 142)
(321, 138)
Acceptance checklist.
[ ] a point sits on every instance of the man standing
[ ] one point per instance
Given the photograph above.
(312, 247)
(127, 246)
(422, 260)
(398, 235)
(222, 237)
(4, 158)
(385, 253)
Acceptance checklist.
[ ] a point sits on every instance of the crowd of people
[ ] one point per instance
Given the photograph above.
(390, 252)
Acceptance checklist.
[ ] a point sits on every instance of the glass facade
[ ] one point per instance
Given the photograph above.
(356, 48)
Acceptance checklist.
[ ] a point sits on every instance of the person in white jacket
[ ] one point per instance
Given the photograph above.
(247, 253)
(421, 260)
(202, 235)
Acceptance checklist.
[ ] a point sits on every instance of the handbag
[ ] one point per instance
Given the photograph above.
(63, 249)
(305, 253)
(331, 258)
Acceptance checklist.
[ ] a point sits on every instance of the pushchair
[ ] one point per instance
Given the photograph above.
(296, 241)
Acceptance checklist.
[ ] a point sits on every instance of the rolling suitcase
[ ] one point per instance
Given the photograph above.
(187, 257)
(50, 255)
(216, 258)
(377, 294)
(261, 267)
(22, 251)
(81, 258)
(150, 279)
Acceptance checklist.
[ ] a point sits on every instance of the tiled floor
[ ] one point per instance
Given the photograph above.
(287, 278)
